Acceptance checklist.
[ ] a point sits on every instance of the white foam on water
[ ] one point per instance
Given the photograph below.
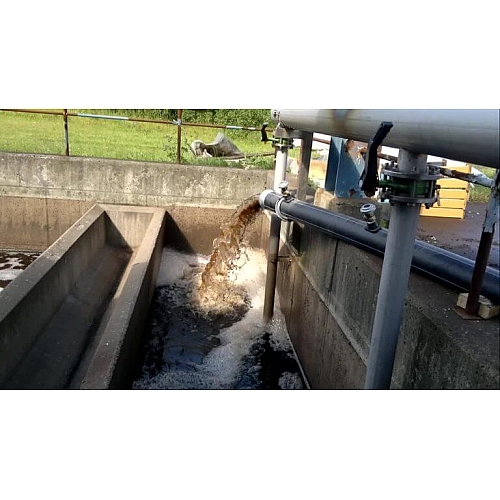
(9, 274)
(175, 265)
(222, 366)
(290, 381)
(10, 262)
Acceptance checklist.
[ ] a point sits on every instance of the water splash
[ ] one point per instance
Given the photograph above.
(186, 349)
(217, 293)
(206, 329)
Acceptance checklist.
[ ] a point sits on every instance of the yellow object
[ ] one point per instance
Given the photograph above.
(486, 309)
(453, 197)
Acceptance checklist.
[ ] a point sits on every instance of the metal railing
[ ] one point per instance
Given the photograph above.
(177, 123)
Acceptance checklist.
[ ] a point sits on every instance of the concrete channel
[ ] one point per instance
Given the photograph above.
(74, 317)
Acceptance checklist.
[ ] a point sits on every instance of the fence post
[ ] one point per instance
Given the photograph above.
(179, 134)
(66, 135)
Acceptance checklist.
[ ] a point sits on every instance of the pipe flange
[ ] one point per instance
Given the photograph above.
(408, 199)
(411, 175)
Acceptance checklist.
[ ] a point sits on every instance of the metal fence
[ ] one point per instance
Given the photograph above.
(177, 123)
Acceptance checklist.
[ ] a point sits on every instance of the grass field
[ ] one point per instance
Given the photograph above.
(481, 194)
(35, 133)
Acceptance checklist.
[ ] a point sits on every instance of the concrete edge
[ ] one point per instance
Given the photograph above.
(133, 293)
(19, 289)
(29, 300)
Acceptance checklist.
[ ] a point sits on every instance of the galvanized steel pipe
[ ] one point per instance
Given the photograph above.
(468, 135)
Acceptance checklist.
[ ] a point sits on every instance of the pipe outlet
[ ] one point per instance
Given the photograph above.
(263, 196)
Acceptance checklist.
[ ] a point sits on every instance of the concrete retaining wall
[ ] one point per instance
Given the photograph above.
(125, 182)
(42, 196)
(35, 223)
(328, 293)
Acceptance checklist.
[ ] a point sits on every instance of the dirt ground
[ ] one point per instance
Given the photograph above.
(460, 235)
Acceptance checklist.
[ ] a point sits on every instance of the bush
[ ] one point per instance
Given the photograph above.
(239, 117)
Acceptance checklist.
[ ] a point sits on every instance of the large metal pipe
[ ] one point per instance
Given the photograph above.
(468, 135)
(431, 261)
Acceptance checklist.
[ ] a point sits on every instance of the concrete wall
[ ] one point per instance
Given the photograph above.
(42, 196)
(125, 182)
(328, 294)
(35, 223)
(29, 302)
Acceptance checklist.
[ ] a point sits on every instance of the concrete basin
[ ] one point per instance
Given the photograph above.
(74, 317)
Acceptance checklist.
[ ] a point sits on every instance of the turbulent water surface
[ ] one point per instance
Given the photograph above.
(195, 344)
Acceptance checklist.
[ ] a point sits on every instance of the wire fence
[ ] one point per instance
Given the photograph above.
(73, 142)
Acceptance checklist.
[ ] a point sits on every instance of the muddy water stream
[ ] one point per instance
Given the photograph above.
(205, 327)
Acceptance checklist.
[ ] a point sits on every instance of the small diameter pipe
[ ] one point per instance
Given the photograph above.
(272, 268)
(139, 120)
(483, 252)
(274, 239)
(66, 134)
(179, 135)
(280, 169)
(102, 117)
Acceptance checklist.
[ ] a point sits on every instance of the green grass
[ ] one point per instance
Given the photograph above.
(481, 194)
(34, 133)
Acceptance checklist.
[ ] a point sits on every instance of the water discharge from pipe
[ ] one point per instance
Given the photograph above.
(205, 329)
(216, 292)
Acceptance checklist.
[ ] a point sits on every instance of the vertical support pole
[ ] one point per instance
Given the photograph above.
(179, 135)
(66, 134)
(304, 163)
(394, 281)
(280, 168)
(483, 251)
(275, 230)
(272, 268)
